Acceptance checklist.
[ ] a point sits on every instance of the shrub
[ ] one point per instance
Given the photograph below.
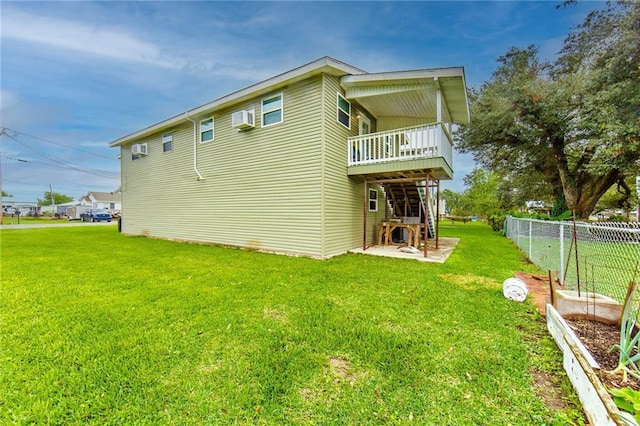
(496, 222)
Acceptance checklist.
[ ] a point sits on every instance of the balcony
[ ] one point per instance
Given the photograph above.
(425, 147)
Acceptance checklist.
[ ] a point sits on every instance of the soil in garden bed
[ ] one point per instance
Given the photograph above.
(599, 338)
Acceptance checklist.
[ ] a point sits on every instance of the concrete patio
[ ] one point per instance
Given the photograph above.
(439, 255)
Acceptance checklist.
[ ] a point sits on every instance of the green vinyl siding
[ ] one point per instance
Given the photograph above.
(261, 187)
(281, 188)
(390, 123)
(343, 196)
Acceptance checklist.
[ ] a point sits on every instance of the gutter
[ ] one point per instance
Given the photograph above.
(195, 146)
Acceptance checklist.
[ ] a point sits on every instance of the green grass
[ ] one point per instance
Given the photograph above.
(27, 220)
(100, 328)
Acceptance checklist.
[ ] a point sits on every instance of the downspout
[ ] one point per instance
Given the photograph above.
(195, 146)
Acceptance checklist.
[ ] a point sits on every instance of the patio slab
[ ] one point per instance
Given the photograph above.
(439, 255)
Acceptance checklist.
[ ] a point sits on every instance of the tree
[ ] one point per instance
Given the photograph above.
(573, 125)
(57, 199)
(619, 198)
(454, 203)
(481, 195)
(6, 194)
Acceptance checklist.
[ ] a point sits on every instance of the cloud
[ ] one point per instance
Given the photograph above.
(18, 112)
(106, 42)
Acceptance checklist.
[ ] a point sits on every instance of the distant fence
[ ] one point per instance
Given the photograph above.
(608, 253)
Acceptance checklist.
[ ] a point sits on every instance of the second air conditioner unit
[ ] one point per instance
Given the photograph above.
(139, 149)
(244, 119)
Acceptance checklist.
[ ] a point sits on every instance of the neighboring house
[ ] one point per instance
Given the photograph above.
(308, 162)
(21, 208)
(111, 201)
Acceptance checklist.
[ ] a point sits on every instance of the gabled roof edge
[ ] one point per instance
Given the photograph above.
(326, 64)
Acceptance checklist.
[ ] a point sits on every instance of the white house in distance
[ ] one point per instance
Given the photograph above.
(310, 162)
(110, 201)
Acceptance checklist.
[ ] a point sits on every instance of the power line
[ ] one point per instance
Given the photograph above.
(4, 130)
(56, 161)
(97, 172)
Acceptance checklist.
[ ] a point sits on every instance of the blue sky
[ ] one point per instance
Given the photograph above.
(78, 75)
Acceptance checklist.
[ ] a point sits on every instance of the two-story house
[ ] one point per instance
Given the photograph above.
(308, 162)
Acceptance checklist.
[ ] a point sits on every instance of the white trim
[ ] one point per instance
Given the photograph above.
(374, 191)
(264, 111)
(363, 119)
(338, 109)
(167, 138)
(423, 75)
(212, 130)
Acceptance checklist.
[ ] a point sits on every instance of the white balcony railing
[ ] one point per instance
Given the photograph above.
(426, 141)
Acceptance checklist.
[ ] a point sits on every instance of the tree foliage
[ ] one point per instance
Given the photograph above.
(481, 193)
(481, 196)
(454, 202)
(567, 130)
(619, 198)
(57, 199)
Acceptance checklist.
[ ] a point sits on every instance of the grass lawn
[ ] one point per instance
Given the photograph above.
(27, 220)
(101, 328)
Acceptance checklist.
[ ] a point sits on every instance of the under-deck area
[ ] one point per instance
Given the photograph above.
(405, 147)
(412, 211)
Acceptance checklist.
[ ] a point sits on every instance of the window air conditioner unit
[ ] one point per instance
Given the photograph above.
(244, 119)
(139, 149)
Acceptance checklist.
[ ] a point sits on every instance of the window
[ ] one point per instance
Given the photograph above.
(272, 110)
(344, 111)
(373, 200)
(167, 142)
(206, 130)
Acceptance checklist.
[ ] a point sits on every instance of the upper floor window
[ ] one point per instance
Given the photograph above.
(344, 111)
(167, 142)
(206, 130)
(272, 110)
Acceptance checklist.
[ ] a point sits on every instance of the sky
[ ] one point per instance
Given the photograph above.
(76, 75)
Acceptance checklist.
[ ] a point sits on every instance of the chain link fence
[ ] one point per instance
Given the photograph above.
(604, 257)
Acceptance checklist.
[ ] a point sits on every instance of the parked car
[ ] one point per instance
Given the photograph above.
(95, 216)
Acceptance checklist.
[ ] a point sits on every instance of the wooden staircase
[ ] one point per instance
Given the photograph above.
(408, 199)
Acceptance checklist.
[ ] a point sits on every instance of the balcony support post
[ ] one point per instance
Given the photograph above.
(426, 215)
(365, 203)
(437, 212)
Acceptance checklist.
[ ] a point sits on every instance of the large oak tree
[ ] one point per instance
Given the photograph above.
(574, 124)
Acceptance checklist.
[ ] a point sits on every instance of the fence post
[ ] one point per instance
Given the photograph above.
(561, 269)
(531, 240)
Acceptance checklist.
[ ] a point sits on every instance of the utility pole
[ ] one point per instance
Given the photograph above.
(53, 206)
(2, 132)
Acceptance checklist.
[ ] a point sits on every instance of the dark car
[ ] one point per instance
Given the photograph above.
(95, 216)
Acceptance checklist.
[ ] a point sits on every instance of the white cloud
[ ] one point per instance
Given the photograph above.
(105, 42)
(18, 112)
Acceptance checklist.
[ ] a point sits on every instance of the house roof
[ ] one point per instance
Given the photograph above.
(411, 93)
(104, 197)
(323, 65)
(368, 88)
